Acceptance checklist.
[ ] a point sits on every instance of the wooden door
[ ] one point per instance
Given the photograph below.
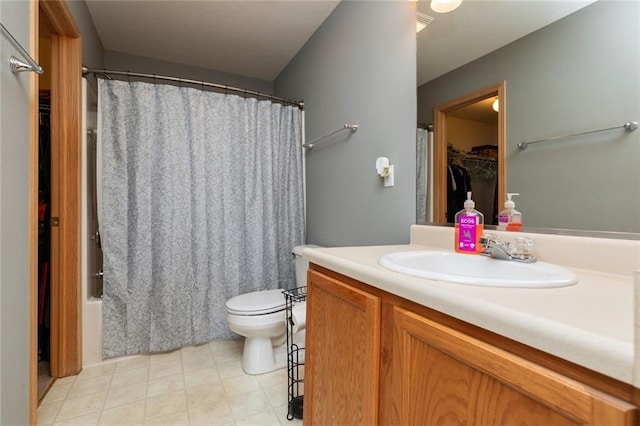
(342, 354)
(450, 378)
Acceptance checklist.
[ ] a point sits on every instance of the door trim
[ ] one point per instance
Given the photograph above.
(66, 114)
(440, 145)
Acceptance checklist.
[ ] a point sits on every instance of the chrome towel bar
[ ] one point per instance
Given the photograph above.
(629, 127)
(16, 64)
(352, 127)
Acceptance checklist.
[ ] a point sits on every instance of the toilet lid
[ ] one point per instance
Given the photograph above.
(256, 303)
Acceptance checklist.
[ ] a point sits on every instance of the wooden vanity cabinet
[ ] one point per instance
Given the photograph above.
(374, 359)
(342, 358)
(448, 377)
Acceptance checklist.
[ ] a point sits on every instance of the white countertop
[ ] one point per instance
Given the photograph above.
(590, 323)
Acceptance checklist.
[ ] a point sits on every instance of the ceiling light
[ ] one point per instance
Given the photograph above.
(422, 21)
(444, 6)
(496, 105)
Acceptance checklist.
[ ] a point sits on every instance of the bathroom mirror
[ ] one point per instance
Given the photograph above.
(574, 75)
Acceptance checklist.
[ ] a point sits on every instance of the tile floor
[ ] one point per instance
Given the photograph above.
(196, 385)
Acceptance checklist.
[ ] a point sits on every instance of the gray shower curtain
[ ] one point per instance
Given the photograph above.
(202, 201)
(421, 175)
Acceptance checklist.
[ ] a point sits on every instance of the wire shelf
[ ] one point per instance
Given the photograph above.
(295, 356)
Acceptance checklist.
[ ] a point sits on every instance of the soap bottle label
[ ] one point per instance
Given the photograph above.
(467, 233)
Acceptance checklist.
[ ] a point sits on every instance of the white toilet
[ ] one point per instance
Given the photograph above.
(259, 316)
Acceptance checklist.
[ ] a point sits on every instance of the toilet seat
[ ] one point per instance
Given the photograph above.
(256, 303)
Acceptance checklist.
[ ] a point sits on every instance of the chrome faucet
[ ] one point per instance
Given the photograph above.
(495, 248)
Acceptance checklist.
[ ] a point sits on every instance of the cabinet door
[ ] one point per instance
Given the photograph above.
(450, 378)
(342, 354)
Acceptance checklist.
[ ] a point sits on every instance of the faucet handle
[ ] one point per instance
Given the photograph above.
(523, 246)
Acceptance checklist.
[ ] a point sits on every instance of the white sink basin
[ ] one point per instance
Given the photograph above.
(477, 269)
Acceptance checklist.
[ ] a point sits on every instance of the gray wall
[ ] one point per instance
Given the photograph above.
(359, 67)
(92, 49)
(124, 62)
(578, 74)
(15, 139)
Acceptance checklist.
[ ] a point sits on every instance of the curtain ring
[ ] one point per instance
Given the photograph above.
(226, 90)
(202, 85)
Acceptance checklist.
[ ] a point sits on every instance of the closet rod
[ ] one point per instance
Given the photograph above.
(629, 127)
(352, 127)
(16, 64)
(106, 73)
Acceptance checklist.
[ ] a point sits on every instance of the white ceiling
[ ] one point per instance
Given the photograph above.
(259, 38)
(478, 27)
(250, 38)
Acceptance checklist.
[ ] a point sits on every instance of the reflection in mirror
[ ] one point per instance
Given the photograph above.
(469, 154)
(472, 158)
(576, 74)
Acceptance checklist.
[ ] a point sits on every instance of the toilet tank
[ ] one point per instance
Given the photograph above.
(301, 264)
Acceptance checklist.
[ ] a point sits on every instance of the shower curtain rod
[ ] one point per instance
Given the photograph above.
(106, 74)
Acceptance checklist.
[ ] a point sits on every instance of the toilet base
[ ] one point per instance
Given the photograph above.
(259, 356)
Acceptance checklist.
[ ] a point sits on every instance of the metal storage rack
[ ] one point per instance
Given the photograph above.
(295, 356)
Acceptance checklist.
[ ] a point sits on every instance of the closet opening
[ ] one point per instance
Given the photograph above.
(45, 378)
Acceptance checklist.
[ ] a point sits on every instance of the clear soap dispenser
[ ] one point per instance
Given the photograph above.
(510, 219)
(469, 228)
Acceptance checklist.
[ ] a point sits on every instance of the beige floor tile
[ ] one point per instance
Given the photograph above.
(164, 369)
(197, 362)
(230, 369)
(126, 395)
(226, 355)
(216, 413)
(164, 385)
(249, 404)
(166, 404)
(87, 420)
(81, 406)
(196, 385)
(97, 370)
(195, 351)
(124, 414)
(57, 392)
(277, 395)
(88, 386)
(47, 413)
(205, 394)
(263, 419)
(221, 345)
(240, 385)
(201, 376)
(66, 380)
(281, 414)
(141, 361)
(164, 357)
(269, 380)
(129, 377)
(175, 419)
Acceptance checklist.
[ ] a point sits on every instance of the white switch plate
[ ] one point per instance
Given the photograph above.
(388, 181)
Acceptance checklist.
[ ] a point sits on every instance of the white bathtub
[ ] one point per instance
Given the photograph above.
(91, 306)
